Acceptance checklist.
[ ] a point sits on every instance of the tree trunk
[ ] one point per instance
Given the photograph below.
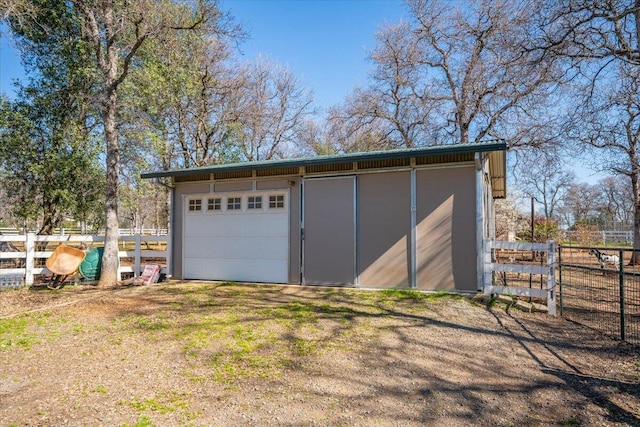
(109, 272)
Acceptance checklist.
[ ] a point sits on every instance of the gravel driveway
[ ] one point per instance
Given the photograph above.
(216, 354)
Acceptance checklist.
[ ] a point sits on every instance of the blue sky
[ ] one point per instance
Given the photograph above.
(323, 42)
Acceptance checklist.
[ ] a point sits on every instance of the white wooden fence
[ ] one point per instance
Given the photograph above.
(603, 236)
(29, 255)
(548, 269)
(12, 231)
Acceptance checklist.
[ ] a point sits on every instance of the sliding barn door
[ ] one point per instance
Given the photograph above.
(329, 231)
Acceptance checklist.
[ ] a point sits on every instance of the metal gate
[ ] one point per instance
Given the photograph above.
(600, 294)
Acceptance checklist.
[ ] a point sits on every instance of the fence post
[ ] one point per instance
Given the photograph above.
(136, 263)
(622, 325)
(29, 263)
(486, 264)
(560, 280)
(168, 255)
(551, 277)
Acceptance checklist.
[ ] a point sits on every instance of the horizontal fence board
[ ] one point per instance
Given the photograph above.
(152, 254)
(143, 254)
(523, 292)
(520, 268)
(11, 271)
(153, 238)
(13, 238)
(520, 246)
(12, 255)
(69, 238)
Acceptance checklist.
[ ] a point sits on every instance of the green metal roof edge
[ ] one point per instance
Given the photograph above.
(434, 150)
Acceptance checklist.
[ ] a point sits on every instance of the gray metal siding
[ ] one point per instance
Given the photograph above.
(384, 227)
(329, 231)
(446, 229)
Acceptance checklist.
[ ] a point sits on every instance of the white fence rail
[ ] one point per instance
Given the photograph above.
(548, 269)
(9, 250)
(604, 236)
(11, 231)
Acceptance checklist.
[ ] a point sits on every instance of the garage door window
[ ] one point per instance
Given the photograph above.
(195, 205)
(254, 202)
(214, 204)
(234, 203)
(276, 202)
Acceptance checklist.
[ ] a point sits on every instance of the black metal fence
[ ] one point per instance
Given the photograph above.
(600, 293)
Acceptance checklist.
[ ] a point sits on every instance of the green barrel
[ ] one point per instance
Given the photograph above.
(90, 267)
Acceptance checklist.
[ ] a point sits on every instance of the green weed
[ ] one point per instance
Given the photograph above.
(13, 333)
(162, 403)
(402, 294)
(143, 421)
(148, 324)
(302, 347)
(100, 389)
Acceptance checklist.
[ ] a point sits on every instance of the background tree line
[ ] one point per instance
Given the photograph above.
(117, 87)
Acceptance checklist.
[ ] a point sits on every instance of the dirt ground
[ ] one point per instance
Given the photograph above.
(212, 354)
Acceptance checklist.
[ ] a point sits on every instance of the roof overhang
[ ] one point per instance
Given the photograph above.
(498, 172)
(496, 150)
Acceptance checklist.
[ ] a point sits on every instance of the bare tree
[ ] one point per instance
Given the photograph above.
(458, 72)
(581, 202)
(590, 34)
(608, 120)
(599, 42)
(617, 199)
(540, 175)
(269, 110)
(394, 111)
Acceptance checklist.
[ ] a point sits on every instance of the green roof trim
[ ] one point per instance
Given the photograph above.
(435, 150)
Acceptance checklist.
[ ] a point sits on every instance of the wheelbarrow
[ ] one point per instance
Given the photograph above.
(62, 263)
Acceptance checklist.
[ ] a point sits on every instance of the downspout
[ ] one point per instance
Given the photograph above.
(479, 160)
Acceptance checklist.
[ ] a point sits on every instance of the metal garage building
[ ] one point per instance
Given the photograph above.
(410, 218)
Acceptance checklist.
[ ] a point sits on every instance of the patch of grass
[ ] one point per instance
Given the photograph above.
(402, 294)
(43, 319)
(13, 326)
(302, 347)
(570, 422)
(225, 371)
(13, 333)
(439, 295)
(296, 310)
(246, 351)
(200, 331)
(143, 421)
(162, 403)
(191, 376)
(100, 389)
(148, 324)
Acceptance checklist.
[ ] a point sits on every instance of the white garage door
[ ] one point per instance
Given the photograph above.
(238, 237)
